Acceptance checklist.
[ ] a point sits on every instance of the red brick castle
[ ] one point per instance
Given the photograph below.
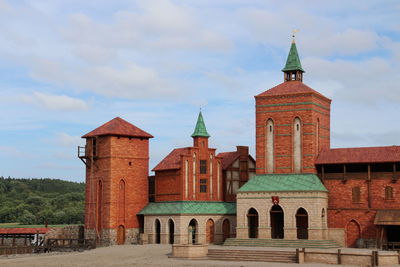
(297, 188)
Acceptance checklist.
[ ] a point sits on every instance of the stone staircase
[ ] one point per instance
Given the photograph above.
(299, 243)
(252, 255)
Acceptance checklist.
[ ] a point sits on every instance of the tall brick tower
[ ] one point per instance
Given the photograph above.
(116, 156)
(292, 123)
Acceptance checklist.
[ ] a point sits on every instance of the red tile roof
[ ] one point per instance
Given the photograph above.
(290, 88)
(173, 160)
(228, 158)
(359, 155)
(118, 126)
(23, 230)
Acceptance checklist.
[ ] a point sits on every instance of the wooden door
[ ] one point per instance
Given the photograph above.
(210, 231)
(121, 235)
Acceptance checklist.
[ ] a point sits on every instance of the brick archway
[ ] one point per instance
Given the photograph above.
(353, 232)
(226, 229)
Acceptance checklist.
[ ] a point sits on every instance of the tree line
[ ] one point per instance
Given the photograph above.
(37, 201)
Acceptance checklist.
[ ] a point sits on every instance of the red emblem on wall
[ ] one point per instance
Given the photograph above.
(275, 200)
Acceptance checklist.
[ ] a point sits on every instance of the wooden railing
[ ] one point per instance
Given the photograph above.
(11, 250)
(391, 246)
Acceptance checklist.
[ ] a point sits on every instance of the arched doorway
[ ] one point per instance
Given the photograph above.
(277, 222)
(171, 227)
(226, 229)
(121, 235)
(193, 231)
(252, 222)
(158, 231)
(210, 229)
(302, 223)
(352, 233)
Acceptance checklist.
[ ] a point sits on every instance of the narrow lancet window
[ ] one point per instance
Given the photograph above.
(269, 149)
(297, 146)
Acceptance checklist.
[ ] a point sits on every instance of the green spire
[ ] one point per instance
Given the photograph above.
(293, 60)
(200, 130)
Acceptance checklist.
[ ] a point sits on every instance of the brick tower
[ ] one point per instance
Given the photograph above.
(292, 123)
(116, 156)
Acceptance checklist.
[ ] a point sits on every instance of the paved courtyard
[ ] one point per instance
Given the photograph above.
(128, 255)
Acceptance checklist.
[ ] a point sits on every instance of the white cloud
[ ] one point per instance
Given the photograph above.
(68, 140)
(366, 81)
(55, 102)
(129, 81)
(156, 25)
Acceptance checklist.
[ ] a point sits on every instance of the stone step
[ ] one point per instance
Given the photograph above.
(281, 243)
(247, 252)
(252, 255)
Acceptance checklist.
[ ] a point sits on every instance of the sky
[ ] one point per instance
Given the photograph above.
(67, 67)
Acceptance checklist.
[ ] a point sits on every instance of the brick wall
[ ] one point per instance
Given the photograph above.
(171, 184)
(311, 109)
(343, 213)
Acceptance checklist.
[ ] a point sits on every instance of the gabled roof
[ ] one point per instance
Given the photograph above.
(293, 60)
(200, 130)
(229, 157)
(173, 160)
(359, 155)
(188, 207)
(118, 126)
(283, 182)
(291, 88)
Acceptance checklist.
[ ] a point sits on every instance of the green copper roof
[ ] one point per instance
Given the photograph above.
(200, 130)
(283, 182)
(293, 60)
(188, 207)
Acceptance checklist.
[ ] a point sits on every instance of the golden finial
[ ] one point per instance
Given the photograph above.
(294, 34)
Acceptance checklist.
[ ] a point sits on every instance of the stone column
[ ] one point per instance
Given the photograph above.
(290, 233)
(242, 232)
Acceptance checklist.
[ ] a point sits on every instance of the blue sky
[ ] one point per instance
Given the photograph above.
(67, 67)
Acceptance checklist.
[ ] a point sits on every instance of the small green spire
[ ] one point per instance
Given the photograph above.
(293, 60)
(200, 130)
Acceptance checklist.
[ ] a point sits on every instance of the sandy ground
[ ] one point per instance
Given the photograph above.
(128, 255)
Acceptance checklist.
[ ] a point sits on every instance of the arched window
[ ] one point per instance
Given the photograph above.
(194, 175)
(121, 201)
(388, 192)
(186, 178)
(356, 194)
(99, 205)
(269, 148)
(218, 178)
(211, 176)
(297, 145)
(317, 136)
